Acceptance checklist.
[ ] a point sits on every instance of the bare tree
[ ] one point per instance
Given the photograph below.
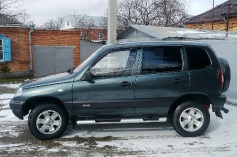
(151, 12)
(53, 24)
(88, 22)
(82, 21)
(24, 18)
(78, 20)
(7, 6)
(12, 10)
(172, 12)
(103, 23)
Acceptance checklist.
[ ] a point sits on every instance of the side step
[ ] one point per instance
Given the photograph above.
(151, 118)
(108, 119)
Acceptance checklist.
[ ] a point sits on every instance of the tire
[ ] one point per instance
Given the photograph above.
(190, 119)
(47, 121)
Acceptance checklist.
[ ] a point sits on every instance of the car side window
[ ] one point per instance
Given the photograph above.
(116, 63)
(197, 58)
(162, 59)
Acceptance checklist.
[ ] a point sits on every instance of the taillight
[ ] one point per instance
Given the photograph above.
(221, 79)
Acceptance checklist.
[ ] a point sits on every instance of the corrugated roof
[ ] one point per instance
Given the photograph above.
(8, 20)
(220, 12)
(163, 33)
(158, 32)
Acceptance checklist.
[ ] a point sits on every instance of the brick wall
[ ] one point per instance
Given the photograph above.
(94, 34)
(217, 25)
(21, 50)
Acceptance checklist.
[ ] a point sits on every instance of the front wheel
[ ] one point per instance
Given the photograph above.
(191, 119)
(47, 121)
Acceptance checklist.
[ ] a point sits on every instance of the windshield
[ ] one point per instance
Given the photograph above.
(86, 62)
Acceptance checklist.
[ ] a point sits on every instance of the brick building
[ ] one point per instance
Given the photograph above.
(24, 44)
(92, 34)
(216, 18)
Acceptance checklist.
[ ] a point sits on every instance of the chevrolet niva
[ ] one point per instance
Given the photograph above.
(147, 80)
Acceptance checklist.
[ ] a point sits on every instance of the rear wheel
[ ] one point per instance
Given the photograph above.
(191, 119)
(47, 121)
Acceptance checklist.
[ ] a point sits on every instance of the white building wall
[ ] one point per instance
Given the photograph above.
(67, 24)
(227, 49)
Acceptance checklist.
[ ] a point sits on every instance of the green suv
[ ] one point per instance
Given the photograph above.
(147, 80)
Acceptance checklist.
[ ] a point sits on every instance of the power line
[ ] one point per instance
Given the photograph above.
(210, 2)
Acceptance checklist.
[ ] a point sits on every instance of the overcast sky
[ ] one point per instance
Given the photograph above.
(43, 10)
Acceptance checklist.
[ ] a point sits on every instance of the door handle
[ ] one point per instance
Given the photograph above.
(126, 84)
(177, 80)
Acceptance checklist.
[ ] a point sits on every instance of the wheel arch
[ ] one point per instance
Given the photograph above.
(201, 98)
(33, 102)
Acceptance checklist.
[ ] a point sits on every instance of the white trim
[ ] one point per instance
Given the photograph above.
(2, 60)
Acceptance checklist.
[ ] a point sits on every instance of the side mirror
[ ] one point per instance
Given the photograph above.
(70, 71)
(88, 76)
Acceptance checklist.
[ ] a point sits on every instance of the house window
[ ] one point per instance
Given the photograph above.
(68, 23)
(84, 35)
(5, 49)
(100, 35)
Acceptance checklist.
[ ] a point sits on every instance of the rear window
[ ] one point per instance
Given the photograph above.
(161, 59)
(197, 58)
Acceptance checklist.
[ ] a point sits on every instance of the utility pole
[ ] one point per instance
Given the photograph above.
(112, 22)
(213, 4)
(228, 21)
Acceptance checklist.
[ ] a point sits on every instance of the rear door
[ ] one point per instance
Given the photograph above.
(162, 79)
(203, 76)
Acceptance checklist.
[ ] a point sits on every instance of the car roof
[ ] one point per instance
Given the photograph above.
(154, 43)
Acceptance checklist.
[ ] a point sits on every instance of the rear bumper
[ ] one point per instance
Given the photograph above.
(218, 103)
(16, 107)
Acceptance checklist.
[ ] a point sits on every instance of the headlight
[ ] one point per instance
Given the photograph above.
(19, 92)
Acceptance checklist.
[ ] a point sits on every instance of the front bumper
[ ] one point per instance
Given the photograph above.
(16, 107)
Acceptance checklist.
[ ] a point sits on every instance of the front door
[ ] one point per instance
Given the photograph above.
(161, 80)
(111, 92)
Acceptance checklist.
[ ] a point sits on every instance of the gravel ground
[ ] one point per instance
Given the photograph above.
(128, 138)
(7, 90)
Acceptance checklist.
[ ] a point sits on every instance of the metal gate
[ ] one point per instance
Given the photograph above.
(87, 48)
(52, 60)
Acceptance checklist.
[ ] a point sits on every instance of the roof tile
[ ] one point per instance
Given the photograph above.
(220, 12)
